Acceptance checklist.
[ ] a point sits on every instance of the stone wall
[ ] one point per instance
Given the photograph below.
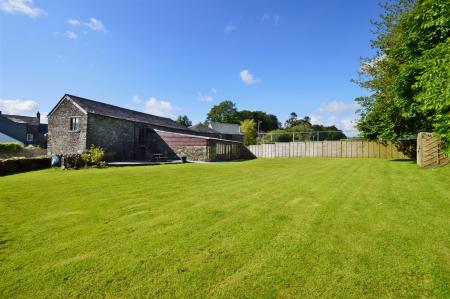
(192, 152)
(60, 139)
(116, 136)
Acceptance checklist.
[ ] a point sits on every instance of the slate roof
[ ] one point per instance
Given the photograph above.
(104, 109)
(31, 120)
(226, 128)
(201, 128)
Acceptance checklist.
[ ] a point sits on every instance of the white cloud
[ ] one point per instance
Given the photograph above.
(214, 91)
(270, 18)
(73, 22)
(338, 107)
(347, 124)
(160, 108)
(248, 78)
(136, 100)
(341, 114)
(18, 107)
(230, 28)
(95, 24)
(24, 7)
(205, 98)
(70, 35)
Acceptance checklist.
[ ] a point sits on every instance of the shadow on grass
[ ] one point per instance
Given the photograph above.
(407, 161)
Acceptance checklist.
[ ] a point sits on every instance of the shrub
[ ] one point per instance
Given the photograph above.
(10, 147)
(93, 157)
(97, 154)
(86, 159)
(73, 161)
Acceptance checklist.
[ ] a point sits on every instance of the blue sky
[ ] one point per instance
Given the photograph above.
(182, 57)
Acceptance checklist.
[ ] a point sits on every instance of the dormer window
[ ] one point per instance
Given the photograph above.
(75, 123)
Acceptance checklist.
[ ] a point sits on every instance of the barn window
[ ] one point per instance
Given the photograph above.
(29, 137)
(75, 123)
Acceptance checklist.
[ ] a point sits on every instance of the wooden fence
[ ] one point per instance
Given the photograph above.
(429, 151)
(338, 149)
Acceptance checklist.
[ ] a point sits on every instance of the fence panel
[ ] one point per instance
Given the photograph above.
(336, 149)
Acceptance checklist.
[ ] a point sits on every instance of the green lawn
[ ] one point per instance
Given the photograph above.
(262, 228)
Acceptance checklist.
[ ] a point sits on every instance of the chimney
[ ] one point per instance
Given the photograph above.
(38, 115)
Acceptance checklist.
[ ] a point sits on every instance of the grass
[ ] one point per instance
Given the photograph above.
(262, 228)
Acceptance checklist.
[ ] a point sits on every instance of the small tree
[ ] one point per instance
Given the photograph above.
(248, 127)
(184, 120)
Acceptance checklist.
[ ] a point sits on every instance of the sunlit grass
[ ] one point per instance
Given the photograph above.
(263, 228)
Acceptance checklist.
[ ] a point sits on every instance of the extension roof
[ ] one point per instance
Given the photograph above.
(226, 128)
(201, 128)
(99, 108)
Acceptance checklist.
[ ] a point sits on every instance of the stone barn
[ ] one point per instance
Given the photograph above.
(76, 123)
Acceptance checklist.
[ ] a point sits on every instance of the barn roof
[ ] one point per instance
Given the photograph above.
(30, 120)
(94, 107)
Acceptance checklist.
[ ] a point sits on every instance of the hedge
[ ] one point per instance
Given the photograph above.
(12, 166)
(10, 147)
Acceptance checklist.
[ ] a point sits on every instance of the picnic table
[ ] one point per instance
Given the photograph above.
(159, 157)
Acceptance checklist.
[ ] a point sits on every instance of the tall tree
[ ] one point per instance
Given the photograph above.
(267, 122)
(409, 75)
(184, 120)
(224, 112)
(290, 122)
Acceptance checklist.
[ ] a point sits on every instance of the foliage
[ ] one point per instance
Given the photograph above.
(184, 120)
(74, 161)
(267, 122)
(10, 147)
(224, 112)
(86, 157)
(248, 128)
(250, 229)
(94, 157)
(97, 155)
(409, 76)
(302, 130)
(227, 112)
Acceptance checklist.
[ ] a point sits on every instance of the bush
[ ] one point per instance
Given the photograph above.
(10, 147)
(73, 161)
(97, 154)
(94, 157)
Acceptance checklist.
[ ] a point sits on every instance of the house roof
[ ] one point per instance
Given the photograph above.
(94, 107)
(201, 128)
(226, 128)
(30, 120)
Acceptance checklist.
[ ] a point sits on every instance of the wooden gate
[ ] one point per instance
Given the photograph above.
(429, 151)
